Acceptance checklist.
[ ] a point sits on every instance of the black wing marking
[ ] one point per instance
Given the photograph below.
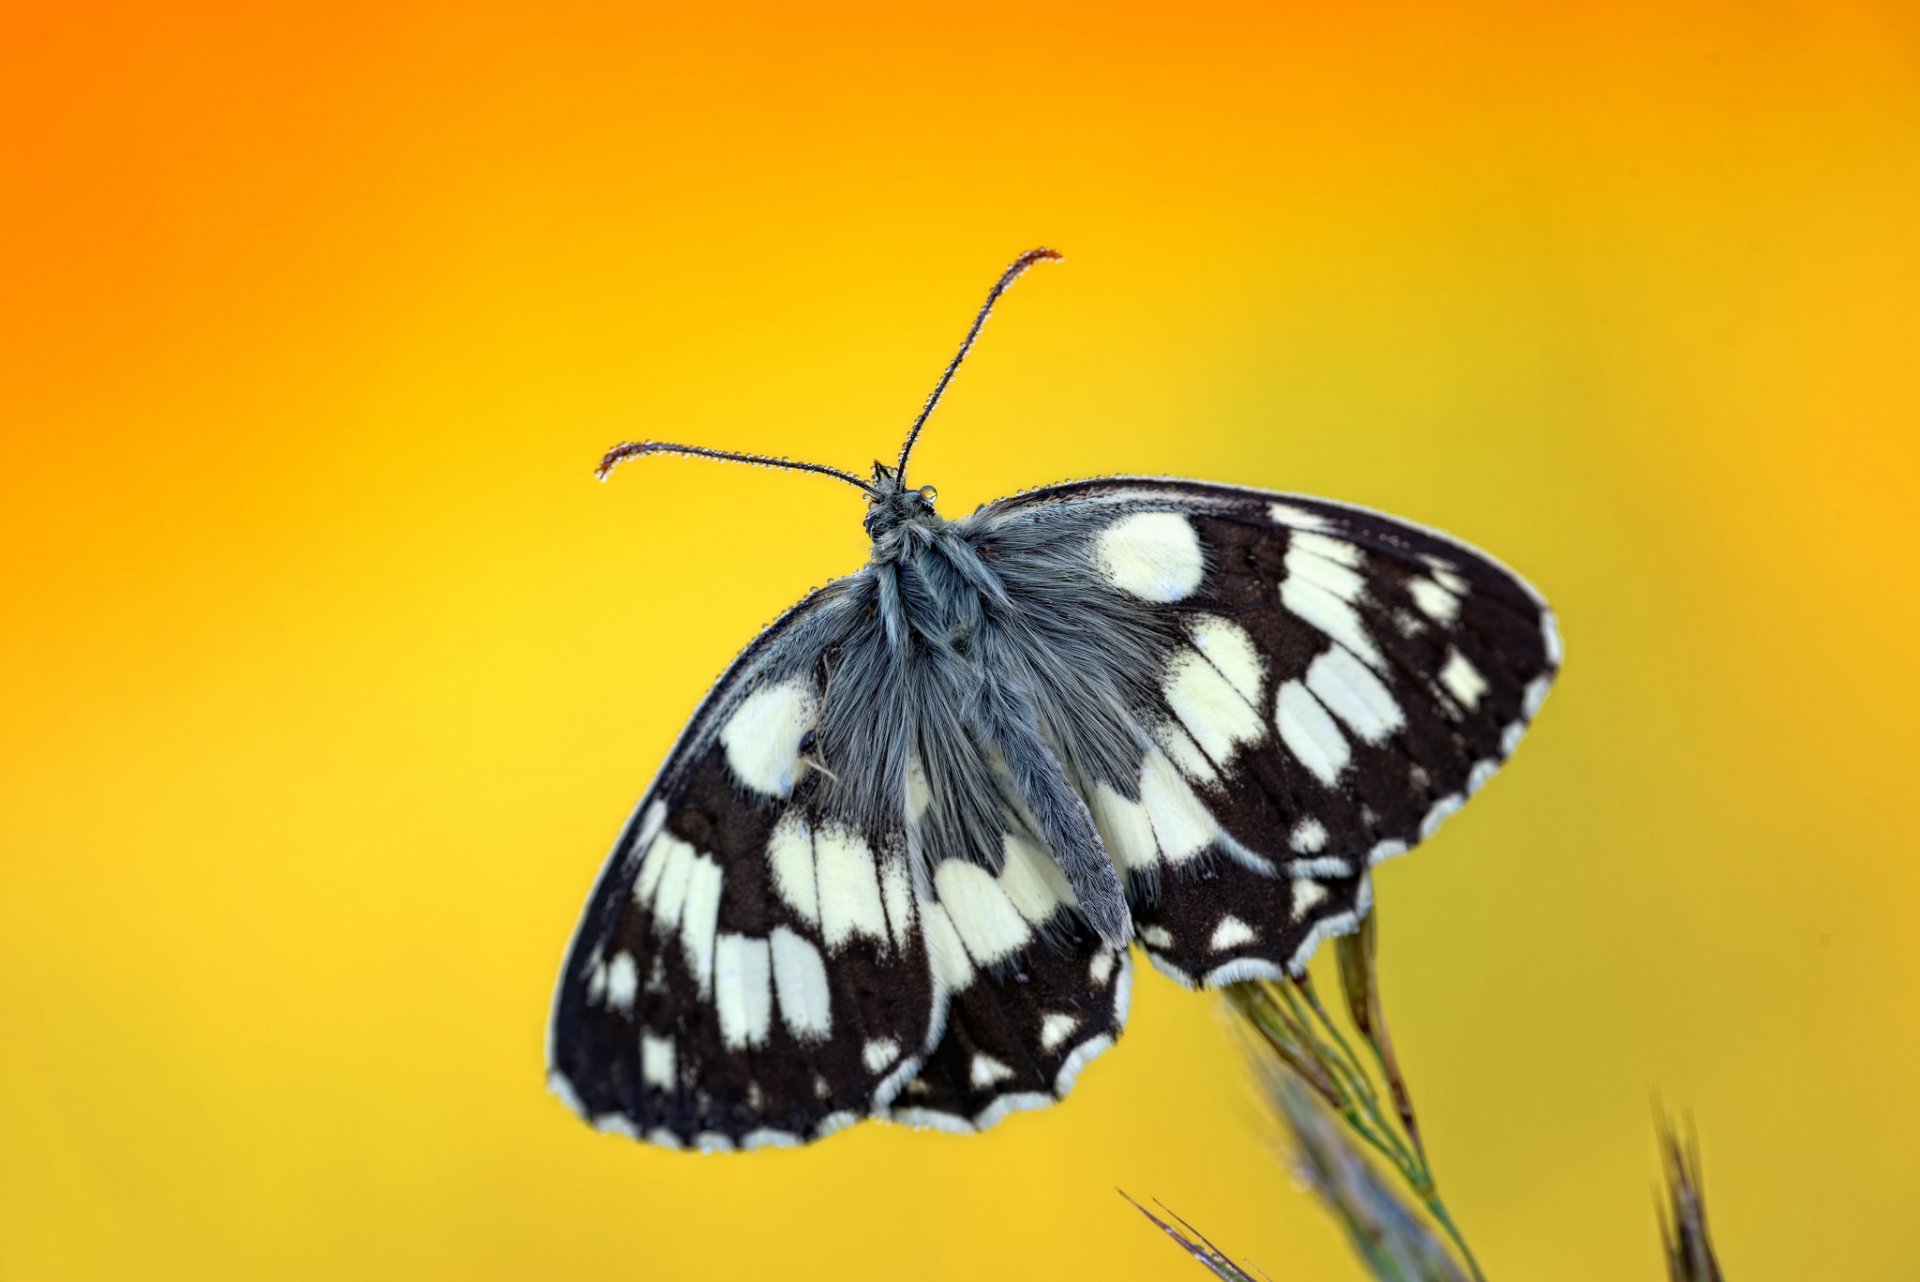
(750, 970)
(1017, 1036)
(1331, 684)
(1031, 994)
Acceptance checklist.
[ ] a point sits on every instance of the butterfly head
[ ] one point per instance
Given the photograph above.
(890, 504)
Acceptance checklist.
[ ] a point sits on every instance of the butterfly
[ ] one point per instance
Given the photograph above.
(895, 863)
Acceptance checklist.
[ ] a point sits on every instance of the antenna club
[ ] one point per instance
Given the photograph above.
(619, 454)
(634, 449)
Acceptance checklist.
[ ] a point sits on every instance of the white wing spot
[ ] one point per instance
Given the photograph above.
(1100, 969)
(1434, 600)
(1056, 1029)
(879, 1053)
(1483, 770)
(987, 1071)
(1337, 550)
(699, 918)
(1309, 837)
(790, 856)
(951, 965)
(800, 982)
(1178, 744)
(676, 876)
(656, 1062)
(1156, 936)
(1032, 881)
(616, 1124)
(623, 982)
(1124, 828)
(1297, 518)
(1229, 648)
(1442, 810)
(1351, 692)
(1306, 893)
(1386, 850)
(1550, 637)
(762, 737)
(1462, 680)
(1310, 733)
(1230, 933)
(849, 887)
(919, 796)
(1216, 715)
(896, 890)
(1181, 825)
(1326, 563)
(653, 864)
(767, 1137)
(1331, 615)
(986, 920)
(743, 990)
(1152, 555)
(1536, 695)
(650, 825)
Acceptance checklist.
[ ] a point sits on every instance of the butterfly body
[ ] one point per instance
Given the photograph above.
(894, 865)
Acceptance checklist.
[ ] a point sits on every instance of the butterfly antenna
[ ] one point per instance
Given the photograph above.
(637, 449)
(1007, 278)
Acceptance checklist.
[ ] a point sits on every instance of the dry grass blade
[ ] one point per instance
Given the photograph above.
(1683, 1213)
(1331, 1103)
(1304, 1053)
(1385, 1231)
(1212, 1257)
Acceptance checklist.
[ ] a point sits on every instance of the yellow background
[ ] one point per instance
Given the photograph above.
(329, 673)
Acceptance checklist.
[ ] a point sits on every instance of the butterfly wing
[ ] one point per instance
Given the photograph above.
(1029, 992)
(750, 969)
(1325, 686)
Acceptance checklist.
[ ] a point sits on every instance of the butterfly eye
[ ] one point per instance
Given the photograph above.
(807, 741)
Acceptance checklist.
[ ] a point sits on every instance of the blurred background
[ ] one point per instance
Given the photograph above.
(329, 673)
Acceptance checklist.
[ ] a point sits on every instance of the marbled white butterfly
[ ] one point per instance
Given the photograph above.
(894, 863)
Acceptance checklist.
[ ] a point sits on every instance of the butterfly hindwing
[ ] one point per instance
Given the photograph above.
(750, 971)
(1325, 686)
(1030, 993)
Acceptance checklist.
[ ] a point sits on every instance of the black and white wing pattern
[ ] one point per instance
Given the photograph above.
(1030, 994)
(893, 864)
(1328, 685)
(832, 904)
(750, 970)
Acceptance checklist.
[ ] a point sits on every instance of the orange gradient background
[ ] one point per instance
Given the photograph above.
(329, 672)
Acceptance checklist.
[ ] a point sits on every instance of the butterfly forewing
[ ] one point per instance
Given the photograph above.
(1328, 685)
